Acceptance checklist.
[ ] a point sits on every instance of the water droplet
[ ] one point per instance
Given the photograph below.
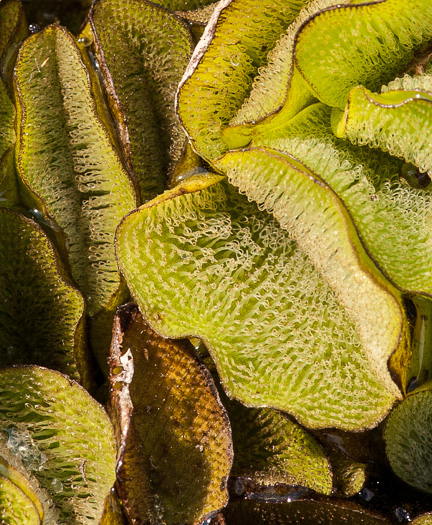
(57, 485)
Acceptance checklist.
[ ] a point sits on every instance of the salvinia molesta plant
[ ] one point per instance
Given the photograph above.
(264, 192)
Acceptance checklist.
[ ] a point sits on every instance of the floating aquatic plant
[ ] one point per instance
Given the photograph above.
(282, 163)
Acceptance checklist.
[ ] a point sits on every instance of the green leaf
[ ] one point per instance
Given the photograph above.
(271, 449)
(391, 217)
(370, 44)
(209, 264)
(13, 30)
(66, 160)
(397, 121)
(59, 436)
(184, 5)
(220, 74)
(408, 439)
(40, 312)
(142, 58)
(317, 220)
(175, 438)
(15, 507)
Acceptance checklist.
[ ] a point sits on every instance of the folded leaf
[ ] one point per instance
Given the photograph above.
(408, 439)
(209, 264)
(40, 312)
(66, 160)
(399, 122)
(392, 218)
(13, 30)
(317, 220)
(223, 66)
(142, 58)
(15, 507)
(367, 43)
(175, 438)
(62, 441)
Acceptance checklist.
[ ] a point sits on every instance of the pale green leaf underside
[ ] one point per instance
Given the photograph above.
(210, 264)
(62, 437)
(66, 159)
(39, 312)
(408, 438)
(392, 218)
(399, 122)
(146, 52)
(224, 64)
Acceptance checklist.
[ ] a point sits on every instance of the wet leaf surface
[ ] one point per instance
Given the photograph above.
(321, 511)
(60, 438)
(174, 434)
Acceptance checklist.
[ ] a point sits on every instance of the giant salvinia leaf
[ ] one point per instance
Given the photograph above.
(393, 219)
(182, 5)
(408, 438)
(13, 30)
(175, 437)
(8, 183)
(66, 160)
(40, 313)
(398, 121)
(316, 219)
(60, 439)
(142, 58)
(369, 44)
(271, 449)
(17, 494)
(319, 512)
(15, 506)
(224, 63)
(210, 264)
(279, 91)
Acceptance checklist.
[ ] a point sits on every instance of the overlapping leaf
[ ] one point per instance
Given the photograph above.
(224, 63)
(142, 58)
(398, 120)
(408, 439)
(271, 449)
(60, 439)
(40, 313)
(210, 264)
(66, 160)
(321, 512)
(391, 216)
(175, 438)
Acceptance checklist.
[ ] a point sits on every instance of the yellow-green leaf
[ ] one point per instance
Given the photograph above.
(40, 312)
(61, 439)
(210, 264)
(66, 160)
(142, 58)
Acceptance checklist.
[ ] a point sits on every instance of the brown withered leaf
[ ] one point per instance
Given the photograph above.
(175, 447)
